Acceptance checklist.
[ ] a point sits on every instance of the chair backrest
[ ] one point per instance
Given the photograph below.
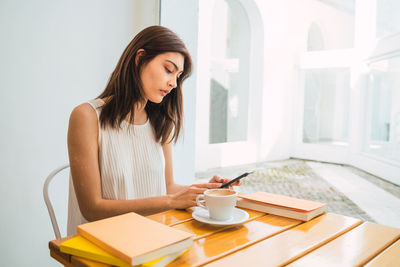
(48, 201)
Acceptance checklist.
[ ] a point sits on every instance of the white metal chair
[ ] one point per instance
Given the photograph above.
(48, 201)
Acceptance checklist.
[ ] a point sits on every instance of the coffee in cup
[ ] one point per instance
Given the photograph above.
(219, 203)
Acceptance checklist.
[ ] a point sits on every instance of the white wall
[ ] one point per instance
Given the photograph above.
(54, 56)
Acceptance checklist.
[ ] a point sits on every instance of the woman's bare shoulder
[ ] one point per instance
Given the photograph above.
(84, 113)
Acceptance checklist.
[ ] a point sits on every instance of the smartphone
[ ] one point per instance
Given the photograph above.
(236, 179)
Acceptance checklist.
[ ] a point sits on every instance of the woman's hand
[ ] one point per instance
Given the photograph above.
(221, 181)
(186, 197)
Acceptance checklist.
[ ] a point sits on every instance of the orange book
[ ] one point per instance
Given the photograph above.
(135, 239)
(281, 205)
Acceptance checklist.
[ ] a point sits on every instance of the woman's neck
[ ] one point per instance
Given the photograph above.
(139, 112)
(140, 115)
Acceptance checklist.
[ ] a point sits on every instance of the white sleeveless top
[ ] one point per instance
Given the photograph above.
(131, 165)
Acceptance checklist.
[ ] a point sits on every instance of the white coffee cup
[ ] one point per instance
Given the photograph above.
(219, 203)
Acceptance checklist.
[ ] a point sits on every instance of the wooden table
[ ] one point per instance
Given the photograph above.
(269, 240)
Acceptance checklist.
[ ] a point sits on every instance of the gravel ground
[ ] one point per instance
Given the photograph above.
(297, 179)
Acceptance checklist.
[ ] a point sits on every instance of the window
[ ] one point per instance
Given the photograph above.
(333, 23)
(326, 106)
(229, 67)
(383, 109)
(315, 38)
(387, 17)
(327, 83)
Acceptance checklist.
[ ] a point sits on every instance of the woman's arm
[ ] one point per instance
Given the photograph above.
(83, 155)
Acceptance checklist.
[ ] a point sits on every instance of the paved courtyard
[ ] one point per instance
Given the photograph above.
(346, 190)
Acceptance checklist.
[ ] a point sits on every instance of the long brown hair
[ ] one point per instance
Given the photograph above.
(124, 89)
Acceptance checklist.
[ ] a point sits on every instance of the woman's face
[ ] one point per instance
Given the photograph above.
(159, 76)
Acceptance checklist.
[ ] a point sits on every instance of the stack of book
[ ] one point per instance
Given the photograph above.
(295, 208)
(127, 240)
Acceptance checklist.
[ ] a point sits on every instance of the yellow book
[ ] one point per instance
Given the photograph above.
(81, 247)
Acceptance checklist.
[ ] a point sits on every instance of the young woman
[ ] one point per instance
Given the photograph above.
(119, 144)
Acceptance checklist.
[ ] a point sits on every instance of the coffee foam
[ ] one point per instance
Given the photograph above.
(220, 192)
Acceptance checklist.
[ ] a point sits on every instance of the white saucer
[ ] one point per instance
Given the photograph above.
(238, 216)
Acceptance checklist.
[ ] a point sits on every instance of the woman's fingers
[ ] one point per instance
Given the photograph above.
(216, 179)
(220, 181)
(187, 197)
(208, 185)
